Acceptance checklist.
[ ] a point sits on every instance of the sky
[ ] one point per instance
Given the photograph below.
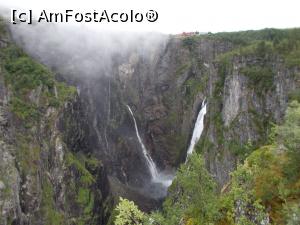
(178, 16)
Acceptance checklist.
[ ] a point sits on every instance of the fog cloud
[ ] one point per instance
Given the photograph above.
(83, 51)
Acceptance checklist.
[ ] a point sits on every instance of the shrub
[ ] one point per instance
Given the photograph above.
(260, 78)
(128, 213)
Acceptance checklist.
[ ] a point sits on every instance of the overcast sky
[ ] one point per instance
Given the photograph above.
(176, 16)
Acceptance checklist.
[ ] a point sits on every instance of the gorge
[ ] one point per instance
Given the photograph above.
(88, 117)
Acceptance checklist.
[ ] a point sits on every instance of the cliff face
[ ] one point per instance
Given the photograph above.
(44, 176)
(241, 116)
(82, 150)
(166, 93)
(246, 92)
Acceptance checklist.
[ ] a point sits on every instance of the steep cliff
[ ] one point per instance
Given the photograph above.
(45, 176)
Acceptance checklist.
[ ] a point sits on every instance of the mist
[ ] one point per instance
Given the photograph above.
(81, 50)
(107, 68)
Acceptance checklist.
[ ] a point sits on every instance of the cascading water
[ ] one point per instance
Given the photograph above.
(198, 128)
(157, 177)
(150, 163)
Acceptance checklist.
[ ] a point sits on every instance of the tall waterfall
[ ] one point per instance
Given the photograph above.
(198, 128)
(150, 162)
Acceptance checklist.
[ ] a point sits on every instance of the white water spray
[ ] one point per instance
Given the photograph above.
(198, 128)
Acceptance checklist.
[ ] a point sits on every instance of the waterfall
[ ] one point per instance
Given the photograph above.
(150, 162)
(198, 128)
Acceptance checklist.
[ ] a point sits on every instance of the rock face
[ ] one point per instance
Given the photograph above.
(166, 89)
(164, 83)
(44, 176)
(243, 113)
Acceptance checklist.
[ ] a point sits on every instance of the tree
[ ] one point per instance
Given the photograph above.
(288, 135)
(128, 213)
(192, 197)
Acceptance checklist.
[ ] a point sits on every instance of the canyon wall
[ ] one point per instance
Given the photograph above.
(83, 151)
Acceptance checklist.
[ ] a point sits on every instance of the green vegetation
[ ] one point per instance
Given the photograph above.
(245, 37)
(24, 110)
(182, 68)
(51, 215)
(192, 195)
(176, 143)
(203, 144)
(192, 198)
(79, 164)
(266, 186)
(193, 86)
(292, 59)
(294, 95)
(28, 154)
(3, 30)
(128, 213)
(288, 135)
(224, 68)
(83, 189)
(260, 78)
(32, 91)
(190, 42)
(261, 47)
(264, 189)
(85, 199)
(219, 126)
(239, 205)
(25, 77)
(252, 55)
(239, 150)
(23, 73)
(285, 43)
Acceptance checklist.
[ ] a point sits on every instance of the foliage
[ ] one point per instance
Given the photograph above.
(224, 68)
(294, 95)
(182, 69)
(189, 42)
(247, 37)
(28, 154)
(193, 86)
(288, 135)
(3, 30)
(240, 150)
(51, 215)
(85, 199)
(82, 166)
(192, 196)
(203, 144)
(262, 190)
(265, 43)
(79, 164)
(25, 77)
(128, 213)
(24, 110)
(32, 90)
(269, 178)
(260, 77)
(23, 72)
(64, 92)
(292, 213)
(240, 206)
